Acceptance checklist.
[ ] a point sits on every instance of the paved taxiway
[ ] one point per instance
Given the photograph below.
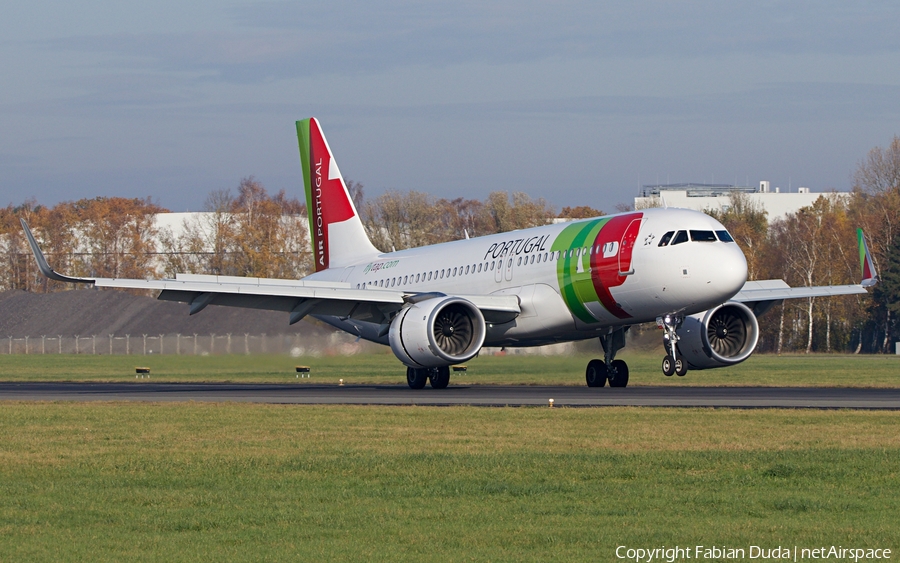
(479, 395)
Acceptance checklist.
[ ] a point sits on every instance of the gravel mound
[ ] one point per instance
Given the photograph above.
(103, 312)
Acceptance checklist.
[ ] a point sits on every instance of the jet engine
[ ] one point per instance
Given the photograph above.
(722, 336)
(438, 331)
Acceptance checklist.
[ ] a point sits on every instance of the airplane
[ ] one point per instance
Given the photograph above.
(437, 306)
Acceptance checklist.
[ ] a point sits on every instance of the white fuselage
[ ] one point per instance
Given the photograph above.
(562, 272)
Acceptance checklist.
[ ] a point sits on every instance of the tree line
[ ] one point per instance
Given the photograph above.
(249, 232)
(817, 245)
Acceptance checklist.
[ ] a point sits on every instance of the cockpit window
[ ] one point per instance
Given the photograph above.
(724, 236)
(703, 236)
(680, 237)
(666, 238)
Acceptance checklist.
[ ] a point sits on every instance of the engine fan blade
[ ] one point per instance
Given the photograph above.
(453, 330)
(726, 334)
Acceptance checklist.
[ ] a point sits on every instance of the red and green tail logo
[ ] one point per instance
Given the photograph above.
(327, 201)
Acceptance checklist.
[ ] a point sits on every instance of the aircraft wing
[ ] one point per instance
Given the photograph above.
(297, 297)
(763, 294)
(775, 290)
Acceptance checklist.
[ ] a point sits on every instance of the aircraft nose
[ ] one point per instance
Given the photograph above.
(730, 272)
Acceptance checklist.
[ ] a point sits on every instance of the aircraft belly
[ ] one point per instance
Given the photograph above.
(544, 316)
(600, 313)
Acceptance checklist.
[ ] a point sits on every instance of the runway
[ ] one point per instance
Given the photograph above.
(475, 395)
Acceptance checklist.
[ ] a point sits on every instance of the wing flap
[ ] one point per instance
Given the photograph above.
(776, 290)
(294, 290)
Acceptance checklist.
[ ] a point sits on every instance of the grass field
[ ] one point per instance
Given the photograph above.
(759, 370)
(228, 482)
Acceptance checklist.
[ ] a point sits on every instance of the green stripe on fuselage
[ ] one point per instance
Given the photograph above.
(576, 287)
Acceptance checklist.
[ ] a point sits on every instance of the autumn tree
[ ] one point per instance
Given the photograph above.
(220, 230)
(251, 234)
(886, 294)
(746, 220)
(271, 237)
(15, 269)
(396, 220)
(816, 246)
(117, 235)
(185, 252)
(580, 212)
(499, 215)
(458, 218)
(875, 207)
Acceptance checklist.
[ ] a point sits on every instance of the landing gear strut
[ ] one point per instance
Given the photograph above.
(609, 369)
(416, 378)
(673, 363)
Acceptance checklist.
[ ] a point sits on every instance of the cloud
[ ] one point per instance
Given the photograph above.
(770, 104)
(278, 40)
(156, 97)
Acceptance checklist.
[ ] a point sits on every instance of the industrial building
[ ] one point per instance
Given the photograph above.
(717, 197)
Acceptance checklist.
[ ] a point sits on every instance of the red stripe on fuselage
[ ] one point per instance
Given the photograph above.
(612, 254)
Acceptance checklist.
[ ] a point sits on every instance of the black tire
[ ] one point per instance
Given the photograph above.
(596, 373)
(440, 377)
(668, 365)
(681, 367)
(618, 375)
(416, 378)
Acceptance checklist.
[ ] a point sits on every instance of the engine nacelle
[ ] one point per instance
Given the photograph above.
(722, 336)
(437, 332)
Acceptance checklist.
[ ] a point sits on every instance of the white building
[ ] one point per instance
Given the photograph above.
(702, 197)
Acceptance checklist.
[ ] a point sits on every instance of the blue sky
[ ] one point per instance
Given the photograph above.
(578, 102)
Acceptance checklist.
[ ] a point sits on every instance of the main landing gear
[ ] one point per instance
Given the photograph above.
(673, 363)
(417, 377)
(599, 372)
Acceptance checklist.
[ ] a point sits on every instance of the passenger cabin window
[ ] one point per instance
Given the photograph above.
(703, 236)
(680, 237)
(724, 236)
(666, 238)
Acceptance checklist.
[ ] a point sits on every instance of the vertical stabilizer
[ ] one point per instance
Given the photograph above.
(336, 231)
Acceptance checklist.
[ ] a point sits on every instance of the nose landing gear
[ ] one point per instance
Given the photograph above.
(599, 372)
(673, 363)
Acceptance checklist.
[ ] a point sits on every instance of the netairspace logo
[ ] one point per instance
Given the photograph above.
(751, 553)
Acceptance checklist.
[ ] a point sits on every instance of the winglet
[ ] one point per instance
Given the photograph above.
(42, 264)
(869, 275)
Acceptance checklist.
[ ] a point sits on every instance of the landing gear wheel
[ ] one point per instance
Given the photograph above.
(416, 378)
(680, 367)
(440, 377)
(596, 373)
(618, 374)
(668, 365)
